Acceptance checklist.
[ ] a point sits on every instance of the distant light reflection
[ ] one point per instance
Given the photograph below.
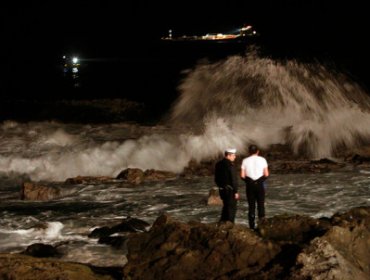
(71, 68)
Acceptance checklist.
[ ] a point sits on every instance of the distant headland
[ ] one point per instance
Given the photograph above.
(247, 31)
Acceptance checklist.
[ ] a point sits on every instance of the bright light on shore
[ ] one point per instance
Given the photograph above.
(75, 60)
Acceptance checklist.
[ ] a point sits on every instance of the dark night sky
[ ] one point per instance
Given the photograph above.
(39, 24)
(32, 29)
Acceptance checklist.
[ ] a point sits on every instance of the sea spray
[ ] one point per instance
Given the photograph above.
(267, 102)
(229, 103)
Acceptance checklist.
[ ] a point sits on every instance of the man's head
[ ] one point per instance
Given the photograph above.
(253, 149)
(230, 154)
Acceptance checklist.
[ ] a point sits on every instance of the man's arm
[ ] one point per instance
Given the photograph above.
(235, 183)
(243, 172)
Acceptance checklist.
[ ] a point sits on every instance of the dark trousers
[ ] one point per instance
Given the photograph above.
(255, 195)
(229, 205)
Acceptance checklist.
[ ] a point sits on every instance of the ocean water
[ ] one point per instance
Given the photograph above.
(227, 101)
(66, 222)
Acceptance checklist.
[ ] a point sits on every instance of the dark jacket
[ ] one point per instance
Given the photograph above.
(225, 175)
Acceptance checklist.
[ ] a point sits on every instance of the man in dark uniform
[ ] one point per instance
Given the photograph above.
(227, 182)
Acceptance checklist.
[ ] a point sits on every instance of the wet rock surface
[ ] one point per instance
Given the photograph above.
(342, 253)
(41, 250)
(35, 191)
(115, 235)
(283, 247)
(136, 176)
(174, 250)
(22, 267)
(214, 197)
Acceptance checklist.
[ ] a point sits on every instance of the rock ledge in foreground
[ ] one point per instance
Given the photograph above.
(336, 248)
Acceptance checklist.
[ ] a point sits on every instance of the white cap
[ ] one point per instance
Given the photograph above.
(231, 151)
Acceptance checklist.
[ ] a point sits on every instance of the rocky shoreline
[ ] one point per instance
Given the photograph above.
(284, 247)
(23, 267)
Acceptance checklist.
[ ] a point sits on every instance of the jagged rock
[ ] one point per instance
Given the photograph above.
(127, 225)
(291, 247)
(41, 250)
(353, 217)
(340, 254)
(304, 166)
(297, 229)
(33, 191)
(158, 175)
(174, 250)
(40, 192)
(132, 175)
(100, 232)
(360, 160)
(360, 156)
(87, 180)
(130, 225)
(214, 197)
(137, 176)
(281, 160)
(22, 267)
(117, 242)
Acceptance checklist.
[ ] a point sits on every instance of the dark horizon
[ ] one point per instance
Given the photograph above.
(36, 35)
(39, 22)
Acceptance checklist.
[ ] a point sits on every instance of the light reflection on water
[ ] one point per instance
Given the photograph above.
(91, 206)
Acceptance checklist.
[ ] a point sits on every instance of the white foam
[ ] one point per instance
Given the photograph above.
(59, 138)
(20, 238)
(53, 231)
(231, 103)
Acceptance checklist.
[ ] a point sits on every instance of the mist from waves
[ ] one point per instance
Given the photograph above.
(229, 103)
(265, 101)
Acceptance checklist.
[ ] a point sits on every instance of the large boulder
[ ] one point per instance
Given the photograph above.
(41, 250)
(175, 250)
(284, 247)
(214, 197)
(132, 175)
(115, 235)
(342, 253)
(34, 191)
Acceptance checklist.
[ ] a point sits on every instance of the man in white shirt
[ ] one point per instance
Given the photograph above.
(254, 171)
